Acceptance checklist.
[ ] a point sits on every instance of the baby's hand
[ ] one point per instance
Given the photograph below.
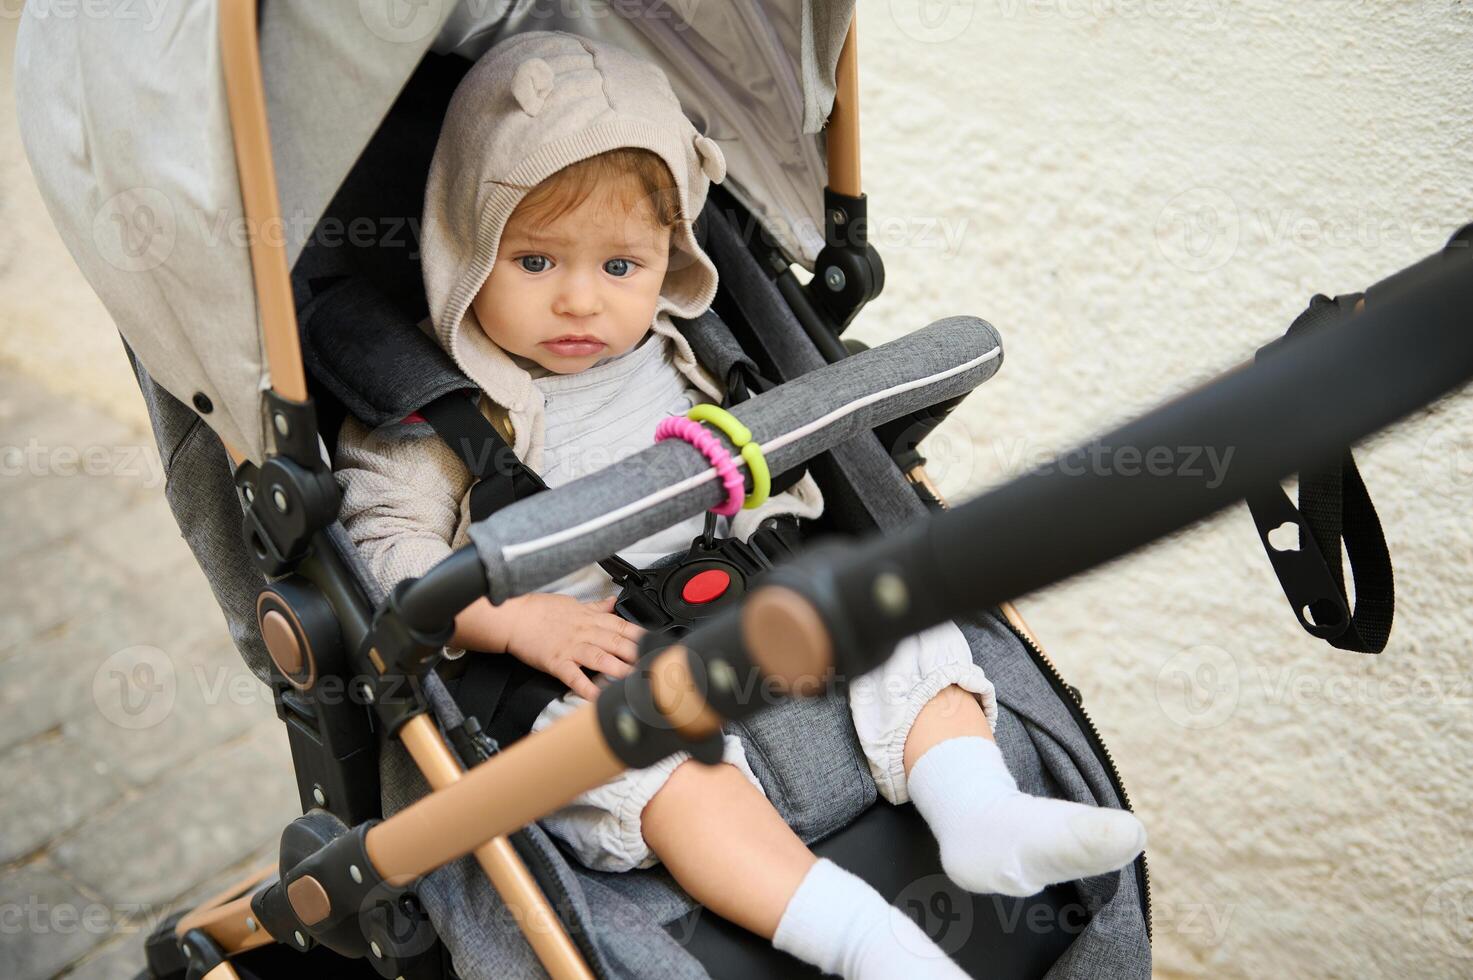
(557, 634)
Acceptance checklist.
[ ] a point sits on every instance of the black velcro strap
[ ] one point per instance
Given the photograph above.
(501, 476)
(1337, 506)
(1334, 505)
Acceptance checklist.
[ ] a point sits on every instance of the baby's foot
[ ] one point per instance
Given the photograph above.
(838, 923)
(995, 838)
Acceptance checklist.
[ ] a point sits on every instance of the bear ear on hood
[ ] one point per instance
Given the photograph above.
(532, 84)
(713, 161)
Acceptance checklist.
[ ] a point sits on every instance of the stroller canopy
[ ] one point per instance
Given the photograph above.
(125, 122)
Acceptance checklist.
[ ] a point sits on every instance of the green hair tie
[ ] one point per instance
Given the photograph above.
(741, 437)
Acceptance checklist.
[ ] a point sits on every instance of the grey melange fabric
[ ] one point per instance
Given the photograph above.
(804, 751)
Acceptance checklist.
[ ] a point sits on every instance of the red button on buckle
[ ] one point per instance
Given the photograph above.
(705, 586)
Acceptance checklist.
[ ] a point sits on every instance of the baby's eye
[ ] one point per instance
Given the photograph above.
(619, 268)
(532, 263)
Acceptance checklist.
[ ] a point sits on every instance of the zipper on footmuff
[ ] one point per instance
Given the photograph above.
(1075, 702)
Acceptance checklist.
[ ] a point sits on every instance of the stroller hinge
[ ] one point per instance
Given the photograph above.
(848, 272)
(292, 495)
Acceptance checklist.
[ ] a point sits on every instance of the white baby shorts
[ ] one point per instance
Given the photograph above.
(602, 826)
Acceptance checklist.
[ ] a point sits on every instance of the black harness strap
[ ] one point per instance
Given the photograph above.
(1334, 505)
(501, 477)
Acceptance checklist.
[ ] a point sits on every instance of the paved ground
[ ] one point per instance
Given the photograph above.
(142, 766)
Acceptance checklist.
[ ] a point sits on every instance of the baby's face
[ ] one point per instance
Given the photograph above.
(593, 275)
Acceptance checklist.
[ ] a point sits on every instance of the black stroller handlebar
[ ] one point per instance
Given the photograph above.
(1312, 398)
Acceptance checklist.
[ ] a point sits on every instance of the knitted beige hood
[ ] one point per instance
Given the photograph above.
(531, 105)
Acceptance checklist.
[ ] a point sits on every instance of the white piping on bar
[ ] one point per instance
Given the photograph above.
(514, 551)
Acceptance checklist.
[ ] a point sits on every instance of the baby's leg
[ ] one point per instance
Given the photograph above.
(725, 843)
(924, 720)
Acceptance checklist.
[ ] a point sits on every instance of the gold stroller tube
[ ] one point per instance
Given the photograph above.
(544, 771)
(841, 134)
(240, 57)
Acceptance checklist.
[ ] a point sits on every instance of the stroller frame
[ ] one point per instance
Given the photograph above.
(338, 862)
(318, 623)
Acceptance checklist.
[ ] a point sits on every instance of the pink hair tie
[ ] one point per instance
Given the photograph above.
(677, 427)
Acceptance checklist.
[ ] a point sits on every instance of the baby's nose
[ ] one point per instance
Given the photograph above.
(578, 297)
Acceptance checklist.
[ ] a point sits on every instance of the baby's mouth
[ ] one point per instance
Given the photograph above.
(574, 345)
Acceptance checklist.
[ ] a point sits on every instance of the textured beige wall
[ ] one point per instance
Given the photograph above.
(1138, 194)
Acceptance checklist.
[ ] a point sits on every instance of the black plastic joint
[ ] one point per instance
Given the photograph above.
(1322, 312)
(720, 667)
(394, 657)
(846, 219)
(637, 732)
(415, 646)
(342, 870)
(293, 429)
(858, 646)
(286, 503)
(471, 743)
(848, 271)
(201, 954)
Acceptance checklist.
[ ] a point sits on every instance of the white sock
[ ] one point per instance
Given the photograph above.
(838, 923)
(996, 839)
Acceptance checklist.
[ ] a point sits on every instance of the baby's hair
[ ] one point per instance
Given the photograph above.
(572, 185)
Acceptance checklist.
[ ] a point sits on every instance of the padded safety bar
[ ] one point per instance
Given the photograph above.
(535, 541)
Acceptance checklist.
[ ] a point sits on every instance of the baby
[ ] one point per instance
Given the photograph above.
(557, 246)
